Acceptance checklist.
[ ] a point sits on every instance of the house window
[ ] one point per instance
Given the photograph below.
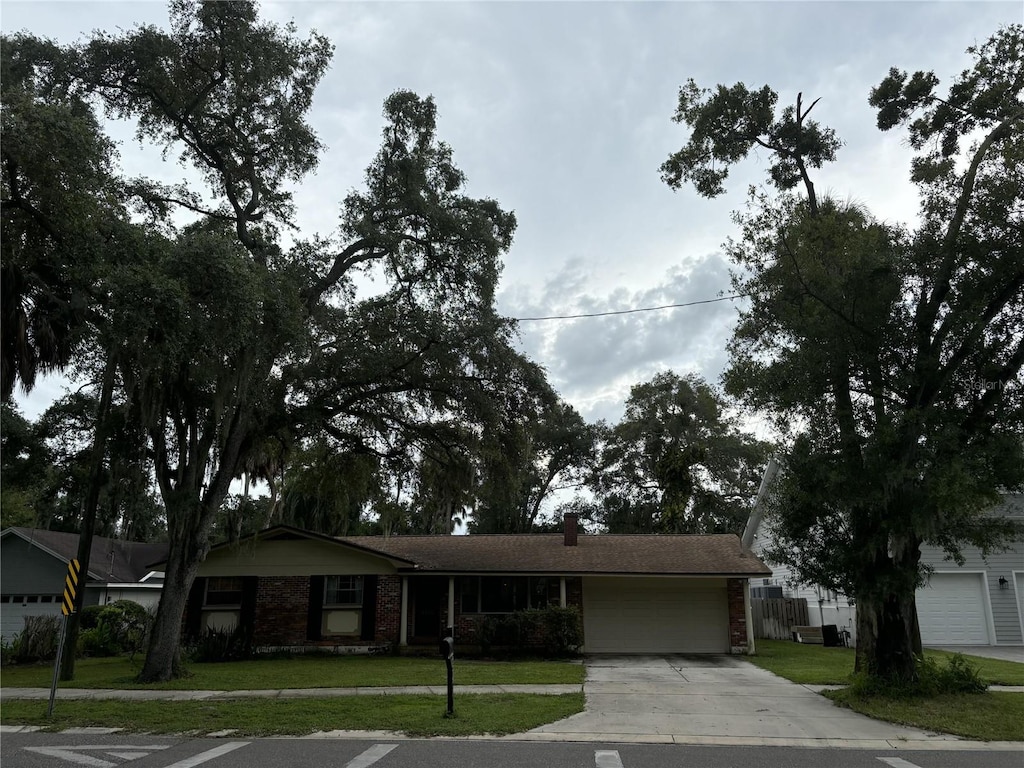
(505, 594)
(545, 591)
(343, 590)
(343, 606)
(222, 603)
(223, 591)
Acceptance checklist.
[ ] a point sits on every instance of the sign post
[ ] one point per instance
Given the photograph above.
(67, 607)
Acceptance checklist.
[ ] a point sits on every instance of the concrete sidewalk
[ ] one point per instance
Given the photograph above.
(131, 694)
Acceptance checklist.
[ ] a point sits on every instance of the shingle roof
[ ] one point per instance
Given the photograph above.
(681, 555)
(110, 560)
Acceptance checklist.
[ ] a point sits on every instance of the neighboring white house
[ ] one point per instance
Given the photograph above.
(979, 603)
(34, 562)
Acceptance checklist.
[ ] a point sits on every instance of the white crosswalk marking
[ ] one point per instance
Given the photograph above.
(209, 754)
(71, 754)
(65, 753)
(897, 762)
(370, 756)
(607, 758)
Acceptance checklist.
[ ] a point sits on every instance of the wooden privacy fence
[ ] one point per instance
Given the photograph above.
(774, 616)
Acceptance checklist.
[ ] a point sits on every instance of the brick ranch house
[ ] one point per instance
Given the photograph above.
(636, 593)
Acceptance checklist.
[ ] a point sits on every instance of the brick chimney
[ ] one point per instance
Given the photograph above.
(571, 527)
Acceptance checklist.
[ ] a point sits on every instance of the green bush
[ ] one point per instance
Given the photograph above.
(551, 631)
(38, 640)
(216, 645)
(98, 641)
(562, 630)
(957, 676)
(8, 650)
(90, 616)
(118, 627)
(128, 623)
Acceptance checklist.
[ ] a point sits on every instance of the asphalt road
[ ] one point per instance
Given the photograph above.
(67, 750)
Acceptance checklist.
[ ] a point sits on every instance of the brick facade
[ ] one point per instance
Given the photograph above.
(737, 616)
(389, 609)
(282, 610)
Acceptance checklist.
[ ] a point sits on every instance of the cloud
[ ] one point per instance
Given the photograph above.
(594, 361)
(562, 113)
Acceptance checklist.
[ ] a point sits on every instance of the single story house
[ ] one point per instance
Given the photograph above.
(637, 594)
(978, 603)
(34, 563)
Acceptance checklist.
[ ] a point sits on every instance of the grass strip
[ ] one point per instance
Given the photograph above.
(992, 716)
(310, 671)
(818, 665)
(476, 714)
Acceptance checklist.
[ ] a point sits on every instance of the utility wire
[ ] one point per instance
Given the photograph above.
(730, 297)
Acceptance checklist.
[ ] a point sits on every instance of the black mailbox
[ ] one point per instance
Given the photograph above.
(446, 647)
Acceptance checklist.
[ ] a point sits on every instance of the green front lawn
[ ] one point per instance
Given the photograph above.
(992, 716)
(475, 714)
(817, 665)
(810, 664)
(303, 672)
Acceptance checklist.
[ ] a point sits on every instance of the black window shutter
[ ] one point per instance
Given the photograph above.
(316, 608)
(194, 608)
(247, 612)
(369, 608)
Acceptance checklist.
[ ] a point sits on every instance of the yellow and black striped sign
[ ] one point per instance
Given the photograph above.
(70, 588)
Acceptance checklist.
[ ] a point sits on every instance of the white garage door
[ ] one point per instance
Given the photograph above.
(655, 615)
(12, 615)
(951, 610)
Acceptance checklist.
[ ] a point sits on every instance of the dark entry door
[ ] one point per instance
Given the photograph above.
(429, 594)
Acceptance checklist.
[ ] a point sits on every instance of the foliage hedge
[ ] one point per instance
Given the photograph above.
(555, 631)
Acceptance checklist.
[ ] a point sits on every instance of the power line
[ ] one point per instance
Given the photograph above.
(730, 297)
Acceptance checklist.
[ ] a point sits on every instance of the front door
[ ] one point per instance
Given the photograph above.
(429, 593)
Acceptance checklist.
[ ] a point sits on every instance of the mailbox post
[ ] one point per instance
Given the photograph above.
(447, 650)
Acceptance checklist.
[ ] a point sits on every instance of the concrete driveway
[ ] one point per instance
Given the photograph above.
(717, 700)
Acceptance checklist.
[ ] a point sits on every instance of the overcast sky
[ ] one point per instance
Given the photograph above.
(562, 112)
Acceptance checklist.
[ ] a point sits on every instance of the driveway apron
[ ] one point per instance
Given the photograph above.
(713, 699)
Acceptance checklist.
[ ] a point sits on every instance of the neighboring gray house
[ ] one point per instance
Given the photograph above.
(979, 603)
(34, 562)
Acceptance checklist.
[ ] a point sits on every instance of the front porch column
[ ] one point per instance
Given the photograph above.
(451, 604)
(403, 625)
(561, 592)
(746, 611)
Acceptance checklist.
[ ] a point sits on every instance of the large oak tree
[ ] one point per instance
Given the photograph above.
(228, 347)
(890, 355)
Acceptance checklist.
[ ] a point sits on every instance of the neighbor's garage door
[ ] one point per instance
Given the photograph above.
(12, 614)
(951, 610)
(655, 615)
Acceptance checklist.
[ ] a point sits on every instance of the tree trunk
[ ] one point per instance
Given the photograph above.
(885, 648)
(163, 656)
(887, 629)
(915, 632)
